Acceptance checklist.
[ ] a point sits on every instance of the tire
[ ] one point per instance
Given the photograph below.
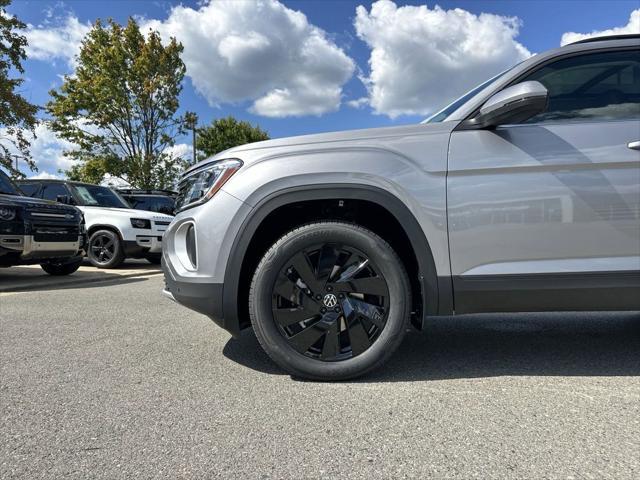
(349, 338)
(61, 268)
(105, 249)
(154, 258)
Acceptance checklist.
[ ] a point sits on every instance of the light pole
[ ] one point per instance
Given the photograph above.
(191, 122)
(17, 157)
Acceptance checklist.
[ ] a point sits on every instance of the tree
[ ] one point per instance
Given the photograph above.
(225, 133)
(119, 108)
(17, 115)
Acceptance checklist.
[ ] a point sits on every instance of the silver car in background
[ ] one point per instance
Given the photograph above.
(523, 195)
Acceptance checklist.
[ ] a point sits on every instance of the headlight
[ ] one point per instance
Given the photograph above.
(7, 213)
(140, 223)
(202, 184)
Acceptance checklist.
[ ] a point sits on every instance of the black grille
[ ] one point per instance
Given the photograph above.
(161, 223)
(53, 233)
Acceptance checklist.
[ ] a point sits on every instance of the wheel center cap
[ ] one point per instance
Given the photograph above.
(330, 300)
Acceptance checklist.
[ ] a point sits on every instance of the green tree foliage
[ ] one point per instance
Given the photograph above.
(119, 108)
(225, 133)
(17, 116)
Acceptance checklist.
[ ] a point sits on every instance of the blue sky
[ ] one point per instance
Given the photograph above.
(339, 89)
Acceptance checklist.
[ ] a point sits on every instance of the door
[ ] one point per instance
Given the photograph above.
(545, 215)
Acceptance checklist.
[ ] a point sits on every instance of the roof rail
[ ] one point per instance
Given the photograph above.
(626, 36)
(143, 191)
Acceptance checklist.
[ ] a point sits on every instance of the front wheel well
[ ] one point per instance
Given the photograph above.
(94, 228)
(365, 213)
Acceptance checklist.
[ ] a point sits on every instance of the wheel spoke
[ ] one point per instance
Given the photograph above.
(109, 244)
(368, 286)
(327, 261)
(331, 346)
(303, 340)
(291, 291)
(301, 265)
(372, 312)
(351, 270)
(357, 336)
(289, 316)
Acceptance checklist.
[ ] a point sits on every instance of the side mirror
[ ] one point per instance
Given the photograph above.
(68, 199)
(514, 104)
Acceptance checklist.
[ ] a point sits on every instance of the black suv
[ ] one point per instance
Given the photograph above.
(39, 232)
(160, 201)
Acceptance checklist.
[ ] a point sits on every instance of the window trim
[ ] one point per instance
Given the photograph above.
(536, 67)
(47, 184)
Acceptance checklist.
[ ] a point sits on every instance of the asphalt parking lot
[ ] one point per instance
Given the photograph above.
(110, 380)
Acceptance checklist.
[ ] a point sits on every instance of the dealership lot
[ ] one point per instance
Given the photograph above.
(111, 380)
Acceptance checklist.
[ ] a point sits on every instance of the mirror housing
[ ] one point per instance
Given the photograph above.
(514, 104)
(67, 199)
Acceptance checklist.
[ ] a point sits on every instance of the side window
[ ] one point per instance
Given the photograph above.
(52, 190)
(595, 86)
(29, 189)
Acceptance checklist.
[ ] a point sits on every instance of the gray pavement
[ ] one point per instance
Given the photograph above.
(114, 381)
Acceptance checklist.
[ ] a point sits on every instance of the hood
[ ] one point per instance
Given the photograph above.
(339, 138)
(132, 212)
(30, 202)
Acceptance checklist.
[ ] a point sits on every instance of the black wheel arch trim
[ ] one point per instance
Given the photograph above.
(436, 292)
(101, 226)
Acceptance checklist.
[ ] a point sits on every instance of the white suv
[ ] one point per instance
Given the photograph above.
(115, 230)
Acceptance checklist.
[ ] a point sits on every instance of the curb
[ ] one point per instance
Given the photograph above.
(75, 282)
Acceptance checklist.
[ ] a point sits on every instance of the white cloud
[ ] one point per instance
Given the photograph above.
(47, 152)
(60, 41)
(632, 27)
(358, 102)
(260, 51)
(44, 176)
(181, 150)
(423, 58)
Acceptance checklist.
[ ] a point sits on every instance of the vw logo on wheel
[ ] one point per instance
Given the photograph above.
(330, 300)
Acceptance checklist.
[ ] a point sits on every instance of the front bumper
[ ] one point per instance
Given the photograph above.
(152, 244)
(205, 297)
(142, 245)
(30, 248)
(196, 281)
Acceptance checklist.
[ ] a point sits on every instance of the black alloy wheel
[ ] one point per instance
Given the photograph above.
(105, 249)
(330, 301)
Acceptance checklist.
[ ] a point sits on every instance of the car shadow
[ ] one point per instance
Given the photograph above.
(489, 345)
(26, 279)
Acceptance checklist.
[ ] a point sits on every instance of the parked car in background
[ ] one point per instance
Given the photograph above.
(160, 201)
(115, 230)
(523, 195)
(39, 232)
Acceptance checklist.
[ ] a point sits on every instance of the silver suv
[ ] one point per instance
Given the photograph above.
(523, 195)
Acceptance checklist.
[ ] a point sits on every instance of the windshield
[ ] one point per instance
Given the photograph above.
(7, 186)
(153, 203)
(452, 107)
(96, 196)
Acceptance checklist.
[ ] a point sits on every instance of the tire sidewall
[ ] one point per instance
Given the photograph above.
(388, 265)
(61, 269)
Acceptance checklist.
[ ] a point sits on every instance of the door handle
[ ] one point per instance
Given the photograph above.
(634, 145)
